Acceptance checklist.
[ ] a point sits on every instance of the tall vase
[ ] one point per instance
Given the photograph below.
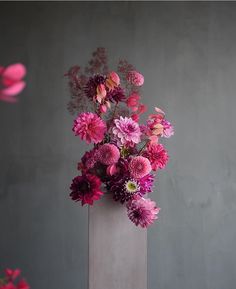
(117, 248)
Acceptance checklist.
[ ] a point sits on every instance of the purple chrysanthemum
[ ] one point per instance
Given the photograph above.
(124, 189)
(126, 131)
(142, 212)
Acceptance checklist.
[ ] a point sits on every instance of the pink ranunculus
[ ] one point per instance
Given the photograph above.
(89, 127)
(11, 82)
(142, 212)
(135, 78)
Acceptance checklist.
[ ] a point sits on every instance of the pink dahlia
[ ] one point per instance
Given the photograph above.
(135, 78)
(86, 188)
(89, 127)
(142, 211)
(168, 129)
(108, 154)
(157, 155)
(139, 167)
(126, 131)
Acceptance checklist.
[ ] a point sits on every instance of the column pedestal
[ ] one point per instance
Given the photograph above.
(117, 248)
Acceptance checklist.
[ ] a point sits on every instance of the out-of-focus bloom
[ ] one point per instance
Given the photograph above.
(126, 131)
(113, 80)
(9, 285)
(11, 82)
(139, 167)
(135, 78)
(86, 188)
(89, 127)
(157, 155)
(168, 129)
(142, 212)
(12, 274)
(23, 284)
(108, 154)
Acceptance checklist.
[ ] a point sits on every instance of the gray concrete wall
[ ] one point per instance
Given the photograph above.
(187, 52)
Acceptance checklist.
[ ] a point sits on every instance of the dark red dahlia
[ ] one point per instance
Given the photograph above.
(86, 188)
(116, 95)
(91, 86)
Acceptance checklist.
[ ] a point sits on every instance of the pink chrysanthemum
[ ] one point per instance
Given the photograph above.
(168, 129)
(139, 167)
(126, 131)
(89, 127)
(135, 78)
(157, 155)
(108, 154)
(142, 211)
(86, 188)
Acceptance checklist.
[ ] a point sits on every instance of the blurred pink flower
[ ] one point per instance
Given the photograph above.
(11, 82)
(89, 127)
(135, 78)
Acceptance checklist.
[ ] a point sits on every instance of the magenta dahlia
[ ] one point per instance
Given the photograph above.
(108, 154)
(89, 127)
(139, 167)
(86, 188)
(126, 131)
(142, 211)
(157, 155)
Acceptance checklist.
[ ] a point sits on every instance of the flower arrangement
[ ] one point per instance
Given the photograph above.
(9, 280)
(11, 81)
(126, 154)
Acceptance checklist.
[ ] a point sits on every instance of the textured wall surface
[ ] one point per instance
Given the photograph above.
(187, 52)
